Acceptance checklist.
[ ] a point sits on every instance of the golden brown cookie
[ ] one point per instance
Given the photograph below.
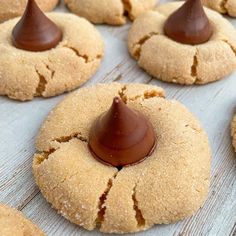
(109, 11)
(171, 61)
(13, 223)
(222, 6)
(233, 131)
(168, 186)
(26, 74)
(13, 8)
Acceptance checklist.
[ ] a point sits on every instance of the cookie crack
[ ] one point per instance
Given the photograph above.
(223, 5)
(127, 8)
(66, 139)
(63, 139)
(122, 94)
(141, 42)
(83, 56)
(64, 203)
(148, 94)
(41, 84)
(50, 69)
(102, 200)
(42, 80)
(138, 213)
(194, 67)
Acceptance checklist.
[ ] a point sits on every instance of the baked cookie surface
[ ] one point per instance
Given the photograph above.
(13, 8)
(13, 223)
(170, 61)
(109, 11)
(168, 186)
(233, 131)
(26, 74)
(222, 6)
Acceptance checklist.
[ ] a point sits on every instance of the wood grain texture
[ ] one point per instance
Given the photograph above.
(214, 104)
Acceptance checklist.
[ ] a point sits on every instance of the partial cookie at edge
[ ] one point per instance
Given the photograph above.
(12, 222)
(12, 8)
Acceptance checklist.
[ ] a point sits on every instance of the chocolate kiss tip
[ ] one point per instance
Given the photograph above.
(189, 24)
(34, 31)
(116, 100)
(121, 136)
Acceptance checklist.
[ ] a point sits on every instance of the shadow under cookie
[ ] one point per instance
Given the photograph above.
(27, 74)
(171, 61)
(12, 222)
(169, 185)
(111, 12)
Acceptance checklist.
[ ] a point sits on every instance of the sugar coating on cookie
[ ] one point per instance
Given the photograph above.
(222, 6)
(13, 8)
(25, 75)
(171, 61)
(168, 186)
(12, 222)
(233, 131)
(109, 11)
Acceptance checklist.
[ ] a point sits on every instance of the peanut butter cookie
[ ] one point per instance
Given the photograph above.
(12, 8)
(26, 74)
(169, 185)
(172, 61)
(222, 6)
(13, 223)
(109, 11)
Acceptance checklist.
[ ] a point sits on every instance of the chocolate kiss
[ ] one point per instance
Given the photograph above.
(121, 136)
(34, 31)
(189, 24)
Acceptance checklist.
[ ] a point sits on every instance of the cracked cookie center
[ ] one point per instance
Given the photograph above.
(34, 31)
(189, 24)
(121, 136)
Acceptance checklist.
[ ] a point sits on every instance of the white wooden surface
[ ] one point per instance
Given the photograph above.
(214, 104)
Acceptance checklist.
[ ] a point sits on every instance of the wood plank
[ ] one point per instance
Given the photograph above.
(214, 104)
